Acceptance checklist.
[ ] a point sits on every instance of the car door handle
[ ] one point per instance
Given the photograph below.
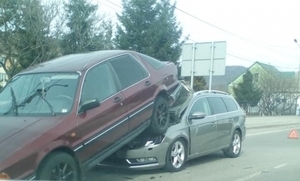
(147, 83)
(117, 99)
(230, 120)
(213, 124)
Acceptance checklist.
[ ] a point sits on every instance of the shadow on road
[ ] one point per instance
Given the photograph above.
(117, 174)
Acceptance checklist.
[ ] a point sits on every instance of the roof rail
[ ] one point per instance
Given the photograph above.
(213, 92)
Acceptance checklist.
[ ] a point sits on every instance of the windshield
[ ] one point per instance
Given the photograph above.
(36, 94)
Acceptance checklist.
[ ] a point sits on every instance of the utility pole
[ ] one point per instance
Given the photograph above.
(297, 106)
(295, 40)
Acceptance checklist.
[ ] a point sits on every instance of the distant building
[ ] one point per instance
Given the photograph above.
(258, 69)
(220, 82)
(3, 77)
(284, 99)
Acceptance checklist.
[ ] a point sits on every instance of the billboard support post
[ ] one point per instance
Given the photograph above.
(211, 71)
(193, 66)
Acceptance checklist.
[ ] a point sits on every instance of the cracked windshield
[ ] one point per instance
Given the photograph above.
(119, 90)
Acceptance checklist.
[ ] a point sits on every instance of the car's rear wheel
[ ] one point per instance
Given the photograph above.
(235, 146)
(58, 166)
(176, 156)
(160, 116)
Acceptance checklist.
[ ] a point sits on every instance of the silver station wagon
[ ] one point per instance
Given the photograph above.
(203, 122)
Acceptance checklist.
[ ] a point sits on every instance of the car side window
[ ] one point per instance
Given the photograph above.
(201, 105)
(99, 83)
(217, 105)
(152, 61)
(230, 104)
(128, 70)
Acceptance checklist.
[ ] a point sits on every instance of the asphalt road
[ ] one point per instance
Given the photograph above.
(267, 155)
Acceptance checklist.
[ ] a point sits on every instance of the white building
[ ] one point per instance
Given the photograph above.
(3, 77)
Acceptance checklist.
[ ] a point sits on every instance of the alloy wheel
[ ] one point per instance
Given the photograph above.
(62, 171)
(236, 144)
(162, 115)
(178, 154)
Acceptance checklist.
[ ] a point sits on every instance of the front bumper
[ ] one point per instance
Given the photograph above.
(144, 158)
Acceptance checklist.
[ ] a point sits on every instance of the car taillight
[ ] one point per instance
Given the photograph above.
(4, 176)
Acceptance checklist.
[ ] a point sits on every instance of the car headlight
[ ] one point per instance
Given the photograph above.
(138, 161)
(4, 176)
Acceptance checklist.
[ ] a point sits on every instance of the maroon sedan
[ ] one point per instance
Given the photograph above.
(62, 117)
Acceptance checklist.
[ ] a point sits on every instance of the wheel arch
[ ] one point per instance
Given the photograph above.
(162, 92)
(185, 139)
(239, 130)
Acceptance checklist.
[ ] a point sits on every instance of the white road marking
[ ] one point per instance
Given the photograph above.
(248, 177)
(279, 166)
(268, 132)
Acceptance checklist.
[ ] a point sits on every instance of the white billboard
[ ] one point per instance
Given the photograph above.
(202, 58)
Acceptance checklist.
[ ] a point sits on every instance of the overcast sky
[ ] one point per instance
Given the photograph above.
(255, 30)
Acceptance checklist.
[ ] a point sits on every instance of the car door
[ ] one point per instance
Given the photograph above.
(233, 117)
(223, 120)
(105, 125)
(137, 88)
(202, 131)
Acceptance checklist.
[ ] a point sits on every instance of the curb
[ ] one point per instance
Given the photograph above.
(272, 126)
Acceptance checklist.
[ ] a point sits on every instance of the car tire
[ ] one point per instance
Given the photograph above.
(160, 116)
(58, 166)
(235, 146)
(176, 156)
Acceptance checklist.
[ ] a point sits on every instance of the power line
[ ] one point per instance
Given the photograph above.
(228, 32)
(114, 4)
(252, 61)
(217, 27)
(221, 29)
(108, 6)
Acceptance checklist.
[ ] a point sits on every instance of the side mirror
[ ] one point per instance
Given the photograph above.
(88, 105)
(197, 115)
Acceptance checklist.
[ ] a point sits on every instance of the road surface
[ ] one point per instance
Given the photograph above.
(267, 155)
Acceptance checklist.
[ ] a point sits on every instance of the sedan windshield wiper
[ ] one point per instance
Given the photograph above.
(38, 92)
(47, 102)
(14, 106)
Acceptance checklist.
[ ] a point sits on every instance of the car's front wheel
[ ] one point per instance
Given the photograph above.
(160, 116)
(176, 156)
(58, 166)
(235, 146)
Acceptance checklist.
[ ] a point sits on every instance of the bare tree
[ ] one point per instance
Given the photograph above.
(279, 92)
(25, 33)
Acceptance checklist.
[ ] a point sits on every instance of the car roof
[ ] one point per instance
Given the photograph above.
(212, 93)
(74, 62)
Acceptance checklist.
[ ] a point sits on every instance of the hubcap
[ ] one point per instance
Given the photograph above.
(62, 171)
(162, 115)
(177, 154)
(236, 144)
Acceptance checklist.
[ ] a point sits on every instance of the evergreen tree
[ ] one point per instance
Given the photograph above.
(246, 92)
(199, 83)
(87, 31)
(149, 27)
